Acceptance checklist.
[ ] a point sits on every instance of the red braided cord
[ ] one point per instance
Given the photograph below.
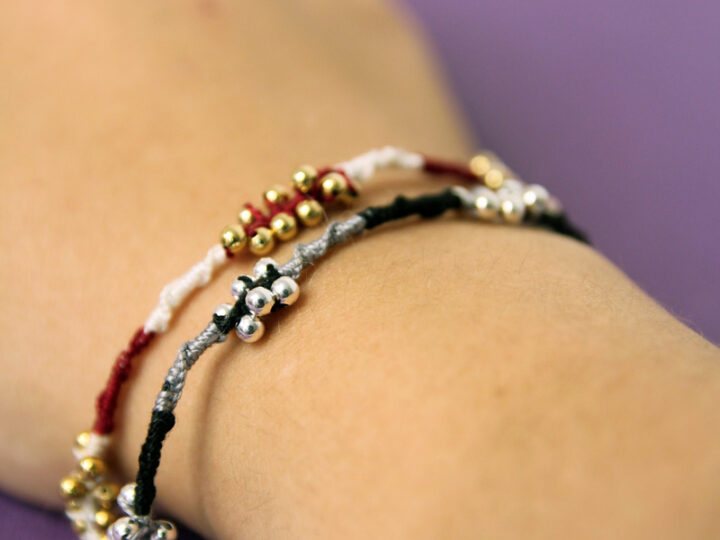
(106, 403)
(440, 166)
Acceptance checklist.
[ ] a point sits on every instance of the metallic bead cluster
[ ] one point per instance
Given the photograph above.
(259, 300)
(503, 196)
(134, 527)
(284, 225)
(89, 496)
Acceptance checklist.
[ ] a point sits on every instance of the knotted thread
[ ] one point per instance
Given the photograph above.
(106, 402)
(163, 419)
(160, 424)
(426, 206)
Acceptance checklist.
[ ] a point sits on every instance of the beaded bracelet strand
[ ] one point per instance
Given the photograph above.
(90, 496)
(271, 288)
(312, 189)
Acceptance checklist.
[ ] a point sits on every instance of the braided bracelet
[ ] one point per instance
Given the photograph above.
(273, 287)
(90, 497)
(312, 189)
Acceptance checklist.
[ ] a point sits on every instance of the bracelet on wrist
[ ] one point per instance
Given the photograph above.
(90, 496)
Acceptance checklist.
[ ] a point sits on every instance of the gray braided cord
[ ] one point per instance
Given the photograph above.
(188, 354)
(337, 232)
(304, 255)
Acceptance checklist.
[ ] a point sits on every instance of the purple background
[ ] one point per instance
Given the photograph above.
(614, 106)
(19, 521)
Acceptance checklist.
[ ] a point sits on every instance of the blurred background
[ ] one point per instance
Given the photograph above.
(614, 106)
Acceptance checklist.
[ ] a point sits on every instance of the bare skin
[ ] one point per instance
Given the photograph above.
(436, 380)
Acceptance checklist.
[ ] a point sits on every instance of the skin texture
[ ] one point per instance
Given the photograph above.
(438, 380)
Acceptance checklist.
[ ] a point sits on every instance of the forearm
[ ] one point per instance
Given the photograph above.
(131, 135)
(404, 404)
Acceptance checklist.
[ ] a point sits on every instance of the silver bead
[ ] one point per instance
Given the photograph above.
(286, 289)
(465, 195)
(535, 198)
(511, 186)
(126, 499)
(487, 203)
(512, 210)
(238, 288)
(261, 267)
(124, 529)
(223, 310)
(250, 329)
(164, 530)
(260, 300)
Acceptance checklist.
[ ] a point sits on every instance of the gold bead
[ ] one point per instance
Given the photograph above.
(233, 238)
(92, 467)
(310, 212)
(494, 178)
(334, 186)
(245, 216)
(487, 167)
(262, 241)
(105, 495)
(82, 440)
(72, 487)
(276, 195)
(481, 163)
(304, 178)
(79, 526)
(348, 196)
(103, 518)
(284, 226)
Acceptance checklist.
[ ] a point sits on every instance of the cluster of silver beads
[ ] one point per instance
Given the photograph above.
(510, 203)
(134, 527)
(259, 300)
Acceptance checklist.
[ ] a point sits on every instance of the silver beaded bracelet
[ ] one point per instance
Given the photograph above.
(274, 287)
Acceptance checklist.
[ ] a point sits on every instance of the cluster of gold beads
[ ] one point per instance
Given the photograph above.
(89, 496)
(490, 169)
(283, 225)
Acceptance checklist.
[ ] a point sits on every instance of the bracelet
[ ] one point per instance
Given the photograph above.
(313, 189)
(90, 497)
(271, 288)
